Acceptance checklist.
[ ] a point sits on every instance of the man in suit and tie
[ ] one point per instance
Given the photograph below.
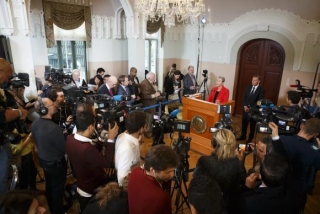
(189, 82)
(253, 93)
(108, 87)
(123, 89)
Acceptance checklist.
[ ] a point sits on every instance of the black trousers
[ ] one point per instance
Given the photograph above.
(27, 173)
(245, 121)
(55, 173)
(83, 201)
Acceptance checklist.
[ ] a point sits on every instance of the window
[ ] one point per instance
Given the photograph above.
(68, 55)
(151, 54)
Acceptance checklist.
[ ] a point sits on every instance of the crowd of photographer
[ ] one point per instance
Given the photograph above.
(90, 131)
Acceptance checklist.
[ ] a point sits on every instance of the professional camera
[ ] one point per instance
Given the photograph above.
(160, 127)
(58, 76)
(23, 80)
(205, 73)
(225, 122)
(304, 91)
(182, 144)
(288, 122)
(9, 136)
(182, 147)
(110, 116)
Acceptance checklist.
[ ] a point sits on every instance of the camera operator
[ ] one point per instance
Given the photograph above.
(86, 158)
(293, 99)
(189, 82)
(127, 153)
(225, 165)
(6, 115)
(297, 150)
(63, 116)
(50, 143)
(147, 184)
(45, 91)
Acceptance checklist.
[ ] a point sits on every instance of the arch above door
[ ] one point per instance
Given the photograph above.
(262, 57)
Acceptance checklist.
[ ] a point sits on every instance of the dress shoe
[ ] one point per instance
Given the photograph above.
(242, 138)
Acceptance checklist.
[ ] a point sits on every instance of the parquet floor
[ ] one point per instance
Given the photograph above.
(312, 207)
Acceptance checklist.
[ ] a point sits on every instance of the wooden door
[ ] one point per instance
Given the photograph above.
(265, 58)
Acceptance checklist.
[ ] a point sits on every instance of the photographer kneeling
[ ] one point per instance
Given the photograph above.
(299, 153)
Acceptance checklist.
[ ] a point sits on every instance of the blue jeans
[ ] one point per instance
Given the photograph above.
(5, 156)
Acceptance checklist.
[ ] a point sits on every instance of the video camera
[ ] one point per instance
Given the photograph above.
(58, 76)
(288, 122)
(225, 122)
(205, 74)
(304, 91)
(23, 80)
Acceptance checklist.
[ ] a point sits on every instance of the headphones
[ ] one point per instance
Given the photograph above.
(42, 110)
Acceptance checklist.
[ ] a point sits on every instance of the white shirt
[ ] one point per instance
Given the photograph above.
(127, 154)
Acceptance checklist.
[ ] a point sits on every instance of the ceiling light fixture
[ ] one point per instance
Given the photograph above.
(171, 10)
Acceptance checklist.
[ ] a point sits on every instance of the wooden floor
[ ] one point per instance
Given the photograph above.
(312, 207)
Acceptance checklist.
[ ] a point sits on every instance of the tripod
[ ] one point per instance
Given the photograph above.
(205, 88)
(181, 146)
(180, 185)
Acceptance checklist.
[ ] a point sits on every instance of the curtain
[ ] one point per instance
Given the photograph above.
(154, 26)
(67, 17)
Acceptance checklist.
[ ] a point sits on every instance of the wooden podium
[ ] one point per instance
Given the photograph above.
(202, 115)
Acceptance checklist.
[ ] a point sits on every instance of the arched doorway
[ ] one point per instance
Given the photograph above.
(266, 58)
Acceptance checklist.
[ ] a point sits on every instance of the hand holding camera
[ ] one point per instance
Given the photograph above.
(274, 129)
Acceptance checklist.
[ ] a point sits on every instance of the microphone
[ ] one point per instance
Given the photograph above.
(174, 113)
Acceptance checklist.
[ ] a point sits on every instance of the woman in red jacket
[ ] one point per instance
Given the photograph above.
(219, 93)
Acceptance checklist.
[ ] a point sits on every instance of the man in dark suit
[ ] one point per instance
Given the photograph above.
(134, 83)
(271, 195)
(252, 94)
(149, 92)
(189, 82)
(108, 87)
(124, 90)
(100, 71)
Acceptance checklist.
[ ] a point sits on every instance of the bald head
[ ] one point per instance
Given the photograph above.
(5, 71)
(112, 81)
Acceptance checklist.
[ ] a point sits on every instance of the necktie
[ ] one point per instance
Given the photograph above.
(110, 91)
(252, 90)
(126, 90)
(193, 81)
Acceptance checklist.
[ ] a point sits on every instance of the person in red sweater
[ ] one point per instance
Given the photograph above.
(219, 93)
(86, 158)
(146, 192)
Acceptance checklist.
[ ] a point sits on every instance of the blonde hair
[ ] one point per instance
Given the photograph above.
(224, 144)
(108, 192)
(317, 100)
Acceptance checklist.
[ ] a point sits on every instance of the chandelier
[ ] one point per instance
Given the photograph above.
(171, 10)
